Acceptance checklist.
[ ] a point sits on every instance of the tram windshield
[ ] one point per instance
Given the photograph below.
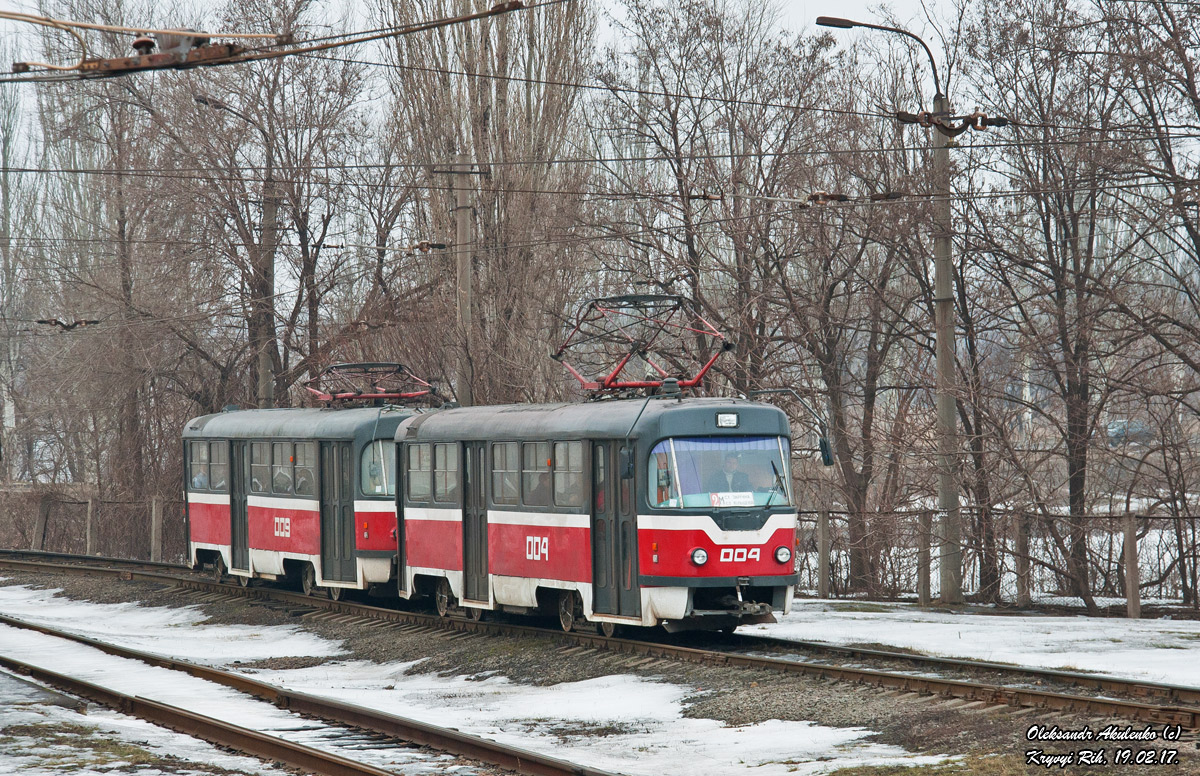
(707, 472)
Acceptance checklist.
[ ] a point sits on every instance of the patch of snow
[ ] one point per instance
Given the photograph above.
(621, 723)
(1154, 650)
(202, 697)
(148, 627)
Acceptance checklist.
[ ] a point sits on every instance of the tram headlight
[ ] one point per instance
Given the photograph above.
(783, 554)
(699, 556)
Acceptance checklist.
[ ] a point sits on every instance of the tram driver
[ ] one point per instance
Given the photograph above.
(730, 479)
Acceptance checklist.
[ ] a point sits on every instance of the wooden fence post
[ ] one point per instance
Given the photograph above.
(38, 541)
(823, 550)
(1021, 553)
(924, 537)
(156, 516)
(90, 530)
(1133, 593)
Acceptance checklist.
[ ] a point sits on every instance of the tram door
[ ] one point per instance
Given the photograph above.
(239, 524)
(614, 536)
(401, 556)
(337, 512)
(475, 529)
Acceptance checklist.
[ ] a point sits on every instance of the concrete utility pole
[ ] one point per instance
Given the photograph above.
(464, 251)
(943, 314)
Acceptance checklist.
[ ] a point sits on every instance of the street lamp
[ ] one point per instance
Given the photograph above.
(943, 312)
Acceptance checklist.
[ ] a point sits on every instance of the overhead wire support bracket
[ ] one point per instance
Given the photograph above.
(191, 49)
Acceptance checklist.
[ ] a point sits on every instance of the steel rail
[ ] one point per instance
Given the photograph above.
(339, 712)
(215, 731)
(987, 693)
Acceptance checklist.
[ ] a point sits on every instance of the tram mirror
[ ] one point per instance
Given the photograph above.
(664, 478)
(625, 464)
(826, 451)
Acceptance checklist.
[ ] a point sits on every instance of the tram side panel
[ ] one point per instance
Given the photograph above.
(209, 526)
(532, 550)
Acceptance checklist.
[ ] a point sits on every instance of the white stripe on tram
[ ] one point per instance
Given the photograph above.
(540, 519)
(271, 502)
(705, 523)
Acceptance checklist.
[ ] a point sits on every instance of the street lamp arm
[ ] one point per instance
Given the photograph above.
(846, 24)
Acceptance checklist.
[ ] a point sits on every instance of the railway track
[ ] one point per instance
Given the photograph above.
(1139, 701)
(391, 728)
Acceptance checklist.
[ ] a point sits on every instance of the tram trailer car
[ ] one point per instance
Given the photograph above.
(627, 512)
(306, 494)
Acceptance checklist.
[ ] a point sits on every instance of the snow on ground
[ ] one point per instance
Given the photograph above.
(1158, 650)
(199, 696)
(146, 628)
(621, 723)
(38, 738)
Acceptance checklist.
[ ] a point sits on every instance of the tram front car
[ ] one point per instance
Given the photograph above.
(717, 517)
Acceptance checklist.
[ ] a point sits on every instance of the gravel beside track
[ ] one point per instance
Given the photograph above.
(735, 696)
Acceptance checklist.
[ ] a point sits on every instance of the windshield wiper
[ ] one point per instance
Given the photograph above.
(778, 487)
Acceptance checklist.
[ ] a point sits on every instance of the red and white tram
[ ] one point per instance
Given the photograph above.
(307, 494)
(663, 510)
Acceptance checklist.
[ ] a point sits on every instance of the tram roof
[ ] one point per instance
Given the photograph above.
(657, 418)
(299, 423)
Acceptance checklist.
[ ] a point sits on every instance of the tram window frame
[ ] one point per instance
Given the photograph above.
(304, 472)
(566, 495)
(375, 453)
(282, 460)
(445, 487)
(535, 462)
(218, 461)
(419, 476)
(260, 467)
(198, 453)
(506, 473)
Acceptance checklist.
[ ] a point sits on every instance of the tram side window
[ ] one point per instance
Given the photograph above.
(218, 466)
(281, 468)
(377, 469)
(199, 465)
(420, 471)
(306, 468)
(505, 473)
(568, 474)
(445, 473)
(535, 474)
(260, 467)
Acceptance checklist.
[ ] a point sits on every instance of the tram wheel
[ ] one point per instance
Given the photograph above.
(308, 580)
(608, 629)
(219, 570)
(442, 597)
(475, 613)
(243, 581)
(566, 610)
(335, 593)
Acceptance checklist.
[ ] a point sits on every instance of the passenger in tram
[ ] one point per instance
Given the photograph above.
(200, 481)
(541, 491)
(729, 479)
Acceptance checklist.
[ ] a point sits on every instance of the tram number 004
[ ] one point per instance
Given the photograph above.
(537, 548)
(739, 554)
